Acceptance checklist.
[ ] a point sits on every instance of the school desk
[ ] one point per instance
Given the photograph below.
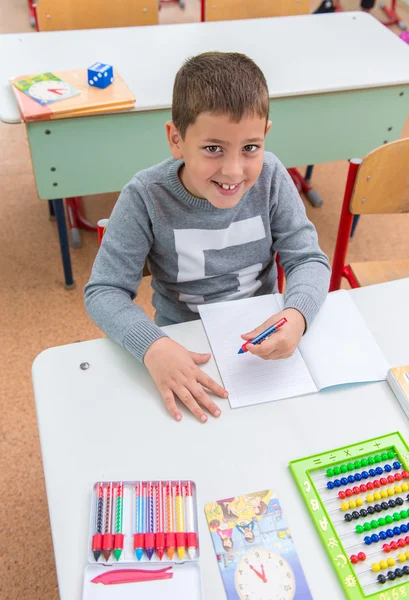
(244, 450)
(338, 83)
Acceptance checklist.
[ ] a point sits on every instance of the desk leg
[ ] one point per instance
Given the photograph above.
(63, 238)
(51, 210)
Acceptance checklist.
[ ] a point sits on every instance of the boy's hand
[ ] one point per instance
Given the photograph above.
(284, 341)
(175, 373)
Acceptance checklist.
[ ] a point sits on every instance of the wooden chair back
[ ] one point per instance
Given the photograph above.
(58, 15)
(230, 10)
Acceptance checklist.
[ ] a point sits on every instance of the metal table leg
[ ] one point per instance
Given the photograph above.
(63, 239)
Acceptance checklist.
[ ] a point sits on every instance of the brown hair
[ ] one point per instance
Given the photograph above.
(218, 82)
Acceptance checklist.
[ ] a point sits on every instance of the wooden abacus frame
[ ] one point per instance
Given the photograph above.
(303, 470)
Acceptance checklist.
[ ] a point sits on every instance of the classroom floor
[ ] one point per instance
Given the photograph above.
(37, 313)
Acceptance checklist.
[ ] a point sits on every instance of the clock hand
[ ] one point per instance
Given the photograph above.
(264, 575)
(261, 575)
(58, 91)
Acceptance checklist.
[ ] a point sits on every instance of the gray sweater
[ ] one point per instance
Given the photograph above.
(198, 253)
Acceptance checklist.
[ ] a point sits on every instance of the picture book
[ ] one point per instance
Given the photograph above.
(45, 88)
(337, 348)
(64, 94)
(254, 549)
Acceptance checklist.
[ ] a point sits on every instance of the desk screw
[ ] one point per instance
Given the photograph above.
(363, 200)
(368, 178)
(84, 366)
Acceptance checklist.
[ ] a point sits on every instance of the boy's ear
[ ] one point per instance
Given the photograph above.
(174, 139)
(269, 123)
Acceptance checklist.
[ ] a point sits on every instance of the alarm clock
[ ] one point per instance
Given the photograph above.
(264, 575)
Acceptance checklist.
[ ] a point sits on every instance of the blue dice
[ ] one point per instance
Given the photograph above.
(100, 75)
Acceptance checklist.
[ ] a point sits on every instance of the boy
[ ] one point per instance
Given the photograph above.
(210, 221)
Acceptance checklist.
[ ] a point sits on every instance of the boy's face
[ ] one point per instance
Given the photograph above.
(223, 159)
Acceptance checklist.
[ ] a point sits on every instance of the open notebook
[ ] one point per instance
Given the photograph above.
(338, 348)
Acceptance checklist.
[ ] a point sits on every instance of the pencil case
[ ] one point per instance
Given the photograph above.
(143, 541)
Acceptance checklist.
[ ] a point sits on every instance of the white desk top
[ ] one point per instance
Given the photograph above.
(243, 450)
(307, 54)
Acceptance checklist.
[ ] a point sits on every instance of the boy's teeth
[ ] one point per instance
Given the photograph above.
(225, 186)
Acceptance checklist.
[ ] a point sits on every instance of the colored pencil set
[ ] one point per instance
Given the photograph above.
(162, 524)
(164, 520)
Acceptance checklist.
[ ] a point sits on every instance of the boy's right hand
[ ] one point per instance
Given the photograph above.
(175, 372)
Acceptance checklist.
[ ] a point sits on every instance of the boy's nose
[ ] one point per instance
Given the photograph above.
(233, 170)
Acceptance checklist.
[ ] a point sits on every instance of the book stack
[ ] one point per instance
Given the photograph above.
(398, 379)
(65, 94)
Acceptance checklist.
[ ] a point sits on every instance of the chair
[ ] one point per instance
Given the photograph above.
(57, 15)
(228, 10)
(378, 184)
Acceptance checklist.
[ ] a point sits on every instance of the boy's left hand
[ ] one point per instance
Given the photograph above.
(284, 341)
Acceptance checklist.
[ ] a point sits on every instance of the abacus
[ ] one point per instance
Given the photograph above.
(358, 498)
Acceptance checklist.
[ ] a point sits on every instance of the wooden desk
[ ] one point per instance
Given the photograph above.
(245, 449)
(348, 94)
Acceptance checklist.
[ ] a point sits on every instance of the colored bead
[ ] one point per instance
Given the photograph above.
(370, 510)
(376, 483)
(342, 495)
(404, 528)
(405, 486)
(391, 562)
(389, 533)
(344, 506)
(376, 567)
(382, 522)
(407, 539)
(348, 517)
(330, 472)
(405, 474)
(379, 470)
(364, 462)
(371, 461)
(372, 472)
(385, 493)
(330, 485)
(396, 465)
(374, 524)
(367, 527)
(362, 487)
(375, 538)
(362, 556)
(382, 481)
(398, 572)
(337, 471)
(349, 492)
(363, 512)
(384, 456)
(344, 481)
(359, 529)
(344, 468)
(352, 504)
(350, 466)
(355, 514)
(377, 495)
(406, 570)
(357, 464)
(383, 564)
(358, 477)
(337, 483)
(391, 478)
(382, 535)
(387, 468)
(350, 479)
(381, 578)
(385, 505)
(398, 489)
(398, 477)
(386, 548)
(401, 543)
(394, 545)
(369, 485)
(377, 458)
(391, 576)
(367, 540)
(397, 531)
(391, 454)
(407, 555)
(359, 501)
(354, 559)
(404, 514)
(370, 498)
(378, 508)
(364, 474)
(399, 501)
(356, 490)
(401, 557)
(389, 519)
(391, 503)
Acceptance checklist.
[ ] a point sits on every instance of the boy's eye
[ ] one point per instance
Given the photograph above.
(251, 148)
(213, 149)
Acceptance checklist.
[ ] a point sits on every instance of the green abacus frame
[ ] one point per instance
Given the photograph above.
(302, 471)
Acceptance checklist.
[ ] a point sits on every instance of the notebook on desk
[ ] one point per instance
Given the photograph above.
(337, 349)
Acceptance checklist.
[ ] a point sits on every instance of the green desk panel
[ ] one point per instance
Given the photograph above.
(91, 155)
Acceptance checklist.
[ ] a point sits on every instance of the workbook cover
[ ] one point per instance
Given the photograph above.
(254, 549)
(64, 94)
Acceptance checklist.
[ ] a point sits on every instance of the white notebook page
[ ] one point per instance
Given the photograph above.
(247, 378)
(339, 348)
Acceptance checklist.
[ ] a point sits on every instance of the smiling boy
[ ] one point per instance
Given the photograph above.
(209, 221)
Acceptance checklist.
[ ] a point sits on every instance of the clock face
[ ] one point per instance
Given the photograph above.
(49, 91)
(264, 575)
